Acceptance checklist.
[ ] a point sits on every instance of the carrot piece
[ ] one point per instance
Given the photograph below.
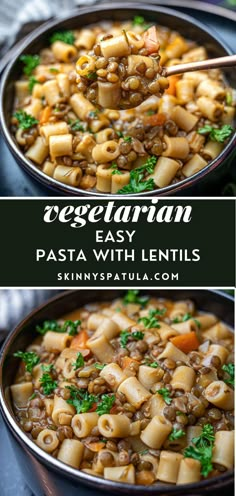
(79, 341)
(186, 342)
(150, 40)
(127, 361)
(155, 119)
(172, 85)
(45, 114)
(93, 408)
(113, 410)
(95, 446)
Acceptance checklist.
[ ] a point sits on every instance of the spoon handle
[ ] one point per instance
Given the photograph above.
(228, 61)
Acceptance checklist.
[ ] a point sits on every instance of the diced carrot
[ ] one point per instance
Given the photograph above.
(186, 342)
(95, 446)
(79, 341)
(155, 119)
(113, 410)
(150, 40)
(45, 114)
(172, 85)
(127, 361)
(41, 78)
(93, 408)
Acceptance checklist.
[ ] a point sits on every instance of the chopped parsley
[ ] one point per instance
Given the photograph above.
(165, 393)
(186, 316)
(79, 362)
(137, 184)
(76, 125)
(99, 366)
(219, 135)
(32, 396)
(48, 367)
(53, 70)
(68, 326)
(201, 449)
(91, 75)
(127, 139)
(140, 21)
(150, 112)
(32, 82)
(151, 320)
(81, 399)
(132, 296)
(125, 335)
(30, 63)
(25, 121)
(119, 134)
(115, 169)
(29, 358)
(67, 37)
(176, 434)
(229, 369)
(47, 383)
(229, 99)
(93, 114)
(105, 404)
(154, 365)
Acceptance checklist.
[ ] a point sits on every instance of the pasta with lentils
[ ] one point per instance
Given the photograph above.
(168, 137)
(136, 390)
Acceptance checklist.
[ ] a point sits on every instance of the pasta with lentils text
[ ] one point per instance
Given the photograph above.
(136, 390)
(167, 138)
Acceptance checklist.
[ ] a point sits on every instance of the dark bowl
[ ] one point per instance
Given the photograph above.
(47, 476)
(204, 181)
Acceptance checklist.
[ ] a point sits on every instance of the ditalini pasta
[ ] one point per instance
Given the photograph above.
(65, 116)
(138, 390)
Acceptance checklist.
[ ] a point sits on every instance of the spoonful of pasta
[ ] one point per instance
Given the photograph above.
(120, 72)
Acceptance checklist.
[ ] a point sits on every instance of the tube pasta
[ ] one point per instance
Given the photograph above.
(52, 92)
(228, 115)
(164, 171)
(206, 320)
(216, 350)
(63, 52)
(114, 425)
(120, 474)
(83, 423)
(123, 321)
(56, 342)
(189, 471)
(68, 175)
(101, 348)
(148, 376)
(109, 94)
(165, 331)
(134, 391)
(183, 378)
(62, 412)
(171, 351)
(176, 147)
(223, 451)
(220, 394)
(60, 145)
(176, 48)
(156, 405)
(194, 165)
(211, 109)
(156, 432)
(86, 39)
(21, 90)
(186, 326)
(212, 150)
(185, 91)
(217, 332)
(169, 466)
(191, 432)
(34, 108)
(184, 119)
(21, 393)
(104, 178)
(38, 152)
(63, 85)
(118, 181)
(105, 152)
(108, 328)
(71, 452)
(53, 129)
(115, 47)
(94, 321)
(49, 168)
(211, 87)
(179, 309)
(81, 105)
(47, 440)
(113, 375)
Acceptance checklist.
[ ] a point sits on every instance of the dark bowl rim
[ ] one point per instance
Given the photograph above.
(67, 190)
(59, 466)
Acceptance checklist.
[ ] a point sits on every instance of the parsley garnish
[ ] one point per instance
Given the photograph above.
(186, 316)
(176, 434)
(48, 384)
(140, 21)
(30, 63)
(229, 369)
(68, 326)
(99, 366)
(151, 320)
(93, 114)
(219, 135)
(32, 82)
(79, 362)
(76, 125)
(65, 36)
(115, 169)
(151, 112)
(132, 296)
(165, 393)
(80, 399)
(119, 134)
(48, 367)
(91, 75)
(136, 184)
(229, 99)
(154, 365)
(53, 69)
(201, 449)
(125, 335)
(128, 139)
(29, 358)
(25, 121)
(106, 403)
(32, 396)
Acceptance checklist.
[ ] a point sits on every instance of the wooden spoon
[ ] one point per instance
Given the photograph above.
(228, 61)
